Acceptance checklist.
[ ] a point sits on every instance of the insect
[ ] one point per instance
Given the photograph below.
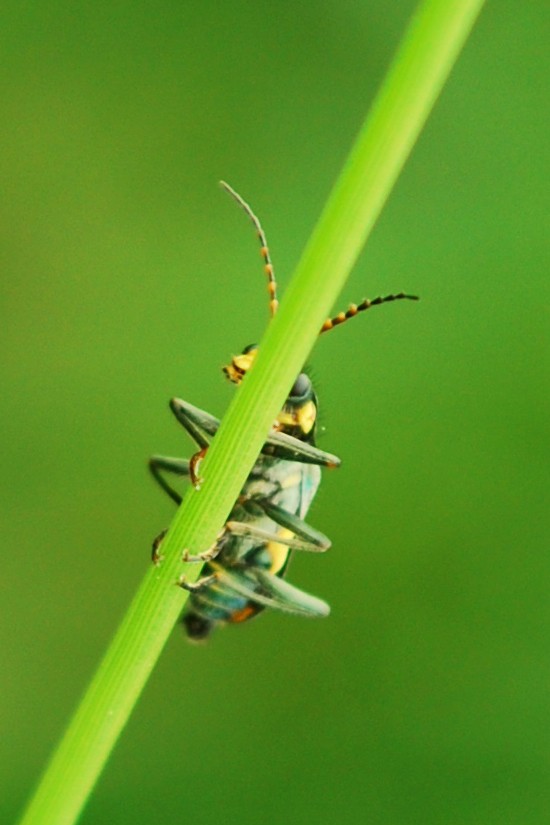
(245, 568)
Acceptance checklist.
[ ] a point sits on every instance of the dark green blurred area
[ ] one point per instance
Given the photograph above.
(127, 277)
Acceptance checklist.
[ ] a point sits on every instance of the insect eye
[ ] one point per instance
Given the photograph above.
(301, 387)
(249, 348)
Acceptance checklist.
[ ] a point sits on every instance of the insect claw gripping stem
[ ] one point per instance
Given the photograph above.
(194, 465)
(200, 584)
(264, 249)
(156, 556)
(355, 309)
(206, 555)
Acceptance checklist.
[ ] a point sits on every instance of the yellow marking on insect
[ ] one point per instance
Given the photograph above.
(288, 418)
(239, 366)
(278, 553)
(303, 417)
(244, 361)
(306, 416)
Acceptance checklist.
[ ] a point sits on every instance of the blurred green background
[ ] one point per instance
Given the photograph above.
(128, 277)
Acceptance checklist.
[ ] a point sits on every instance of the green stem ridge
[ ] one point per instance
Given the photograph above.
(423, 62)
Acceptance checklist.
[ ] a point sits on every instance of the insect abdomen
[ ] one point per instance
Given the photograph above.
(296, 485)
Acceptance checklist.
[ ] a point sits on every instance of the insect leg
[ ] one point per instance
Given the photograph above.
(178, 466)
(206, 555)
(239, 528)
(276, 593)
(295, 524)
(290, 598)
(156, 555)
(282, 445)
(198, 423)
(200, 584)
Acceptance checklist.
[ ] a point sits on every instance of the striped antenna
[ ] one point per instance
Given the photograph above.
(264, 251)
(355, 309)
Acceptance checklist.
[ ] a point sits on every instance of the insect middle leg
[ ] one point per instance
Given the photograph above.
(177, 466)
(309, 539)
(242, 528)
(314, 540)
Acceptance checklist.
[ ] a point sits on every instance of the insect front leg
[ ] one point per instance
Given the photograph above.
(282, 445)
(199, 424)
(202, 426)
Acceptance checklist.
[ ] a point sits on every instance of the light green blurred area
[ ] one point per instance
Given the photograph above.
(127, 277)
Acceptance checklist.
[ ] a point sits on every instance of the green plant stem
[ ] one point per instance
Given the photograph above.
(422, 64)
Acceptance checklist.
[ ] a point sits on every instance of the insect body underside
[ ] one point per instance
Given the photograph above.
(245, 568)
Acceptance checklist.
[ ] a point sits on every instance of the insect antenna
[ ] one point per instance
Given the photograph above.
(268, 266)
(355, 309)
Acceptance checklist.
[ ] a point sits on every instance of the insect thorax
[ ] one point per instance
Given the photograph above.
(299, 413)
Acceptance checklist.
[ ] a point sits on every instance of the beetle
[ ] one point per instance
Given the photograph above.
(245, 568)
